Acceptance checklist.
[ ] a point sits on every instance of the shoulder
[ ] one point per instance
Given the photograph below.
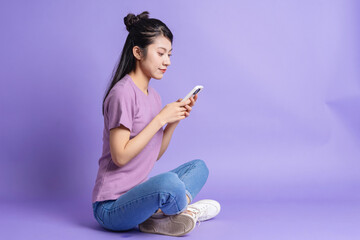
(122, 90)
(122, 95)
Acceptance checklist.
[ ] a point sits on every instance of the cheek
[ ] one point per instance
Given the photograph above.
(151, 66)
(153, 63)
(156, 59)
(156, 62)
(148, 64)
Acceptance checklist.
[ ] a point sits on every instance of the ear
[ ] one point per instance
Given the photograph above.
(137, 52)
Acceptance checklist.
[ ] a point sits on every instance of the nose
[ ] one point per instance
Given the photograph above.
(167, 62)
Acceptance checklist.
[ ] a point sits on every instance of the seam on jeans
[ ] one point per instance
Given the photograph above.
(180, 211)
(131, 201)
(188, 170)
(192, 166)
(176, 202)
(97, 217)
(105, 201)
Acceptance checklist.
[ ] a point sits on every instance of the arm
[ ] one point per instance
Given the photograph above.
(168, 132)
(123, 150)
(170, 128)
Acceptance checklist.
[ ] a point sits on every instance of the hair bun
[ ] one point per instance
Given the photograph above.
(130, 20)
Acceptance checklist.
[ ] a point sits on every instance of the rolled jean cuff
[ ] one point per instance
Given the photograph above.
(181, 210)
(178, 212)
(189, 195)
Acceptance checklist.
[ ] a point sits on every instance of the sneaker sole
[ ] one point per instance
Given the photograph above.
(174, 225)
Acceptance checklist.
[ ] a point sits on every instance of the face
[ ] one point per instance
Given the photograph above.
(158, 57)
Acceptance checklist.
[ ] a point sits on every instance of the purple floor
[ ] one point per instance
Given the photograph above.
(242, 220)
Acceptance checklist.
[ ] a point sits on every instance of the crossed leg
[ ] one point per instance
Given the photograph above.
(188, 199)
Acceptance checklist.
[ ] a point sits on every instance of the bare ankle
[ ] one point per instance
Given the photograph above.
(188, 199)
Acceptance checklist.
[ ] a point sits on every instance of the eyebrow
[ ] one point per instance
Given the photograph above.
(164, 48)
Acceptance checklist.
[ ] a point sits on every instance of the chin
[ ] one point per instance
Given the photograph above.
(158, 77)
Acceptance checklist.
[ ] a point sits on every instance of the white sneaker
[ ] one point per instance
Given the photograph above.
(206, 209)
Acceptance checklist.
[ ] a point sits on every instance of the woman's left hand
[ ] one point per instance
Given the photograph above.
(189, 107)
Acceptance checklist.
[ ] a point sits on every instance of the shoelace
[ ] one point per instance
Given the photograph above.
(198, 211)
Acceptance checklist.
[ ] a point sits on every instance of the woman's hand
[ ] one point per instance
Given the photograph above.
(189, 107)
(185, 110)
(173, 112)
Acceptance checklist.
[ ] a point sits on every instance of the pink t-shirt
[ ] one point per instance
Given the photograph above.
(126, 104)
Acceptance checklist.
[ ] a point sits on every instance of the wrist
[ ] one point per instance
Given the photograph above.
(173, 124)
(160, 120)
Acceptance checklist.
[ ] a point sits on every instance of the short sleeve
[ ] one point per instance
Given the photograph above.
(120, 109)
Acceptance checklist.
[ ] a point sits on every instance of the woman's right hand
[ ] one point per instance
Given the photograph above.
(173, 112)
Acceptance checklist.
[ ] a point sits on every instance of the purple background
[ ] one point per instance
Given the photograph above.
(277, 123)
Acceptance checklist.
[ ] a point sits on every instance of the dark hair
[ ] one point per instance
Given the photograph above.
(142, 32)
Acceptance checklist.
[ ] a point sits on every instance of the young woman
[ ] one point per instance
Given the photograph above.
(133, 140)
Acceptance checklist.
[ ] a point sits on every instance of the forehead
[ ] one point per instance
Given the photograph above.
(162, 42)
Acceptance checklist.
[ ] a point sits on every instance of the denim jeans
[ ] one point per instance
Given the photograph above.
(166, 191)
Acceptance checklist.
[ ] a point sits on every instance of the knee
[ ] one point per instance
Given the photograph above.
(169, 182)
(202, 167)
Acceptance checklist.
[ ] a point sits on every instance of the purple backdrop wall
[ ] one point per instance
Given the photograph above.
(278, 118)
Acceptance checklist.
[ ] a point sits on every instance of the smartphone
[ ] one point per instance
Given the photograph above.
(193, 92)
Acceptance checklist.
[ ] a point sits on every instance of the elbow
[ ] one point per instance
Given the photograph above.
(118, 160)
(117, 163)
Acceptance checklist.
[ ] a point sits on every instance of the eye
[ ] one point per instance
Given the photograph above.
(161, 54)
(170, 55)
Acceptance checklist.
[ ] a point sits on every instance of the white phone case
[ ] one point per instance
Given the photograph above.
(195, 90)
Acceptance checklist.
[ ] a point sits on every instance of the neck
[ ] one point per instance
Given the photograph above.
(140, 80)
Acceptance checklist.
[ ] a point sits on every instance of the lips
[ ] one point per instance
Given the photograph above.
(163, 70)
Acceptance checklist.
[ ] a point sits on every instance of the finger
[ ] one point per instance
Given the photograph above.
(183, 110)
(192, 102)
(187, 102)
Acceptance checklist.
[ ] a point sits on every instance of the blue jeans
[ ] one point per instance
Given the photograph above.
(166, 191)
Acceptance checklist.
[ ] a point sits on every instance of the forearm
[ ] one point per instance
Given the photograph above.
(138, 143)
(168, 132)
